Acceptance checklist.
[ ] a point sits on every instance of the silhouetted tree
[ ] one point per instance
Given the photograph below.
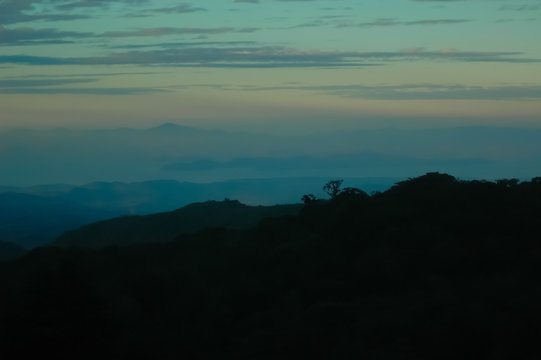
(308, 198)
(351, 191)
(333, 188)
(508, 183)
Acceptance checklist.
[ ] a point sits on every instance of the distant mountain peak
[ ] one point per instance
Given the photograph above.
(169, 126)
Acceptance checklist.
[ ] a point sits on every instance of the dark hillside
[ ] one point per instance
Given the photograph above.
(37, 215)
(10, 251)
(434, 268)
(167, 226)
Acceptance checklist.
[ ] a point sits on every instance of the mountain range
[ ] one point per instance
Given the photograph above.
(35, 216)
(167, 226)
(187, 154)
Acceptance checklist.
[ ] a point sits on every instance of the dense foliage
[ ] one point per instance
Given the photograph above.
(434, 268)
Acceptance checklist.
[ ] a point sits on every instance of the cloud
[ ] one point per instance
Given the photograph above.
(80, 91)
(29, 36)
(515, 7)
(11, 11)
(155, 32)
(178, 44)
(30, 60)
(394, 22)
(80, 75)
(71, 5)
(26, 83)
(421, 92)
(435, 21)
(247, 30)
(311, 23)
(55, 85)
(268, 57)
(16, 11)
(179, 9)
(240, 57)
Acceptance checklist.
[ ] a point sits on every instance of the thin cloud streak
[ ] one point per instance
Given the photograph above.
(29, 36)
(24, 83)
(72, 5)
(14, 11)
(265, 57)
(81, 91)
(179, 9)
(419, 92)
(395, 22)
(55, 85)
(156, 32)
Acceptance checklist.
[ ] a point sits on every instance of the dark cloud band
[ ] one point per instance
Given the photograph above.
(267, 57)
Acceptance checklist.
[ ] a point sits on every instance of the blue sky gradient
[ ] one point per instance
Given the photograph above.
(296, 88)
(270, 65)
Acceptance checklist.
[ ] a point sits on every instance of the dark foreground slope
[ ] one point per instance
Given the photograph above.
(434, 268)
(162, 227)
(10, 251)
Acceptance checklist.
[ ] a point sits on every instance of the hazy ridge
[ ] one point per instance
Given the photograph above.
(170, 151)
(164, 227)
(34, 216)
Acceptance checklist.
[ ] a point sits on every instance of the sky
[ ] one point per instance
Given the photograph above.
(270, 65)
(268, 88)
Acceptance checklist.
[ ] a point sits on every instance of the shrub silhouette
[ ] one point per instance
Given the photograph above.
(308, 198)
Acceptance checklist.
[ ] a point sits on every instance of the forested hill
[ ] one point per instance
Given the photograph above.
(434, 268)
(161, 227)
(10, 251)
